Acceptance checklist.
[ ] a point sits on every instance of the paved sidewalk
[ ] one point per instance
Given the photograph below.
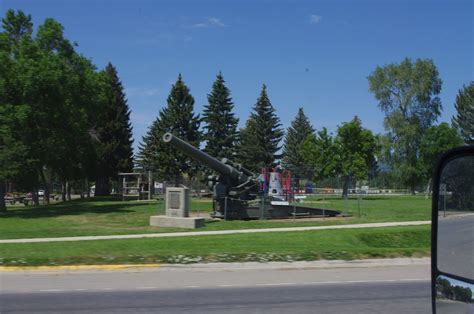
(219, 232)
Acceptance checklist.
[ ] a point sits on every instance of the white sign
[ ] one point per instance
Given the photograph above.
(442, 189)
(279, 203)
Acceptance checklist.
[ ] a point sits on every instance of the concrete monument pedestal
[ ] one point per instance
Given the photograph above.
(177, 211)
(177, 222)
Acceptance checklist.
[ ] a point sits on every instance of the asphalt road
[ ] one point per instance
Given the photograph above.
(456, 245)
(315, 287)
(395, 297)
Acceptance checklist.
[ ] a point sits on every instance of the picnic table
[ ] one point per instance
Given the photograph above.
(26, 199)
(20, 199)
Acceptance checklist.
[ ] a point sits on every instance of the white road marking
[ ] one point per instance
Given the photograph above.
(226, 286)
(340, 282)
(275, 284)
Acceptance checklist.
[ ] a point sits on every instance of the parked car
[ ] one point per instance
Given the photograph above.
(40, 194)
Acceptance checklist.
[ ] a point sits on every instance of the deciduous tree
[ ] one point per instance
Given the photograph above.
(320, 153)
(408, 95)
(49, 97)
(436, 140)
(357, 147)
(350, 155)
(16, 43)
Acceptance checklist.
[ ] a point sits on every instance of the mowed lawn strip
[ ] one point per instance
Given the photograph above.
(290, 246)
(378, 208)
(111, 217)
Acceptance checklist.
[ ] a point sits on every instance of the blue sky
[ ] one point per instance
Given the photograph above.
(314, 54)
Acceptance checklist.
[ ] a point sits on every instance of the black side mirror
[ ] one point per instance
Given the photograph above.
(452, 233)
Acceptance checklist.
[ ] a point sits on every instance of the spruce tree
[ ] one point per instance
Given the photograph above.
(153, 154)
(178, 118)
(292, 160)
(260, 139)
(464, 119)
(115, 152)
(221, 124)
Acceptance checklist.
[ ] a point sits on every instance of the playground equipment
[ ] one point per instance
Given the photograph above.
(136, 185)
(238, 193)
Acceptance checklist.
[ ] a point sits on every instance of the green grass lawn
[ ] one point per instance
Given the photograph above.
(373, 208)
(101, 216)
(344, 244)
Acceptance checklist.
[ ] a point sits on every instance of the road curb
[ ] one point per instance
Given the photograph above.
(76, 267)
(212, 267)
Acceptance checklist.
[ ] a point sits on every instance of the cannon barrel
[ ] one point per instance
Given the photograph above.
(238, 167)
(204, 158)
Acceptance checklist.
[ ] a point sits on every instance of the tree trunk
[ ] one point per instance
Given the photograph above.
(3, 206)
(83, 189)
(88, 188)
(34, 197)
(63, 191)
(102, 187)
(150, 183)
(176, 180)
(428, 189)
(68, 190)
(345, 188)
(45, 183)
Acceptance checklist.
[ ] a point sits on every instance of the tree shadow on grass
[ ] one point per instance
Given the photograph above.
(75, 207)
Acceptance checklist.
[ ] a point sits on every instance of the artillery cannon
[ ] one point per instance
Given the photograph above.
(236, 192)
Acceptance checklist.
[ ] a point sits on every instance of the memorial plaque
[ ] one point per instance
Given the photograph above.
(177, 202)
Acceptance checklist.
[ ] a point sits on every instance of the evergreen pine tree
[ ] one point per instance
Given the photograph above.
(115, 152)
(221, 124)
(152, 153)
(292, 160)
(178, 118)
(259, 140)
(464, 120)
